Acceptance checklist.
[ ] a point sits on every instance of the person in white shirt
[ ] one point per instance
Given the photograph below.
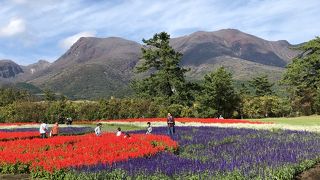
(119, 132)
(97, 130)
(149, 129)
(43, 130)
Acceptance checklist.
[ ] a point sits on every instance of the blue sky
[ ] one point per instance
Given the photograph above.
(44, 29)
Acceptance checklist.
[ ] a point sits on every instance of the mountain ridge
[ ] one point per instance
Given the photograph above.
(102, 67)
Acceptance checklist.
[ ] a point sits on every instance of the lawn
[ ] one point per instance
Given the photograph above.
(297, 121)
(114, 127)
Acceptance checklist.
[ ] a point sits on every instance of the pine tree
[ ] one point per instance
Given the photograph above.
(219, 95)
(302, 77)
(162, 62)
(261, 85)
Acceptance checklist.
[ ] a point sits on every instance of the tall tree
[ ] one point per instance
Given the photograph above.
(10, 95)
(162, 62)
(261, 85)
(218, 95)
(49, 95)
(302, 77)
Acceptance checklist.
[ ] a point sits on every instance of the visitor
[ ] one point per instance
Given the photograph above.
(127, 135)
(149, 129)
(43, 130)
(61, 119)
(119, 132)
(69, 121)
(171, 123)
(55, 130)
(97, 130)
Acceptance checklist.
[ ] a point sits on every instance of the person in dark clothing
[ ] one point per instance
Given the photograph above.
(61, 119)
(69, 121)
(171, 124)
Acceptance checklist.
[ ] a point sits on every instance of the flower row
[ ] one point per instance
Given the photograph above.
(188, 120)
(18, 124)
(5, 136)
(29, 133)
(66, 151)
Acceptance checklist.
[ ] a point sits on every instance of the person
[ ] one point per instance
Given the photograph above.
(221, 117)
(43, 130)
(171, 123)
(61, 119)
(55, 130)
(119, 132)
(127, 135)
(149, 129)
(97, 130)
(69, 121)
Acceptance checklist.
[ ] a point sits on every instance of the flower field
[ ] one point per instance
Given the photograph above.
(203, 153)
(30, 133)
(18, 124)
(222, 153)
(6, 136)
(58, 153)
(63, 130)
(184, 120)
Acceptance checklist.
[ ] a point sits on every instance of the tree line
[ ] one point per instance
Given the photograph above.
(165, 89)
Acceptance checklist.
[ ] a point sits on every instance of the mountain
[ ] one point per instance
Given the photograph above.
(14, 75)
(243, 54)
(201, 47)
(9, 69)
(103, 67)
(92, 68)
(36, 67)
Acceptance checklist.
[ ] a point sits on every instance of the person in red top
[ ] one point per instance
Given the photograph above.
(171, 123)
(55, 130)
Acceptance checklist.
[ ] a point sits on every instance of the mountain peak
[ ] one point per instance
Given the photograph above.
(6, 61)
(204, 47)
(9, 69)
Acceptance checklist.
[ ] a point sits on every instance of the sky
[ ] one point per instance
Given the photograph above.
(31, 30)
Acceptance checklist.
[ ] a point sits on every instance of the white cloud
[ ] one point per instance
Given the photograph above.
(47, 22)
(15, 26)
(69, 41)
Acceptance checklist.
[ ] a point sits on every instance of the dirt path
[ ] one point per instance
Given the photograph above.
(311, 174)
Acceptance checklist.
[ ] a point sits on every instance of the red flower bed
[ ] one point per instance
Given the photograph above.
(4, 136)
(65, 151)
(188, 120)
(18, 124)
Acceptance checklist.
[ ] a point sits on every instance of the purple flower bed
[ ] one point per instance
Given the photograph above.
(63, 130)
(220, 151)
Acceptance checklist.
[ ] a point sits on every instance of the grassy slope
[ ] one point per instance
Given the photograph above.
(298, 121)
(89, 81)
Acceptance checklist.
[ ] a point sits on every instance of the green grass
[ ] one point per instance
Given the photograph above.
(299, 121)
(124, 127)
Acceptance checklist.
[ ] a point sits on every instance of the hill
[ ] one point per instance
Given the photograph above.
(103, 67)
(92, 68)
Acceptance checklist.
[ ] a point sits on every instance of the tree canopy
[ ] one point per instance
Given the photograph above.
(162, 63)
(303, 78)
(219, 95)
(261, 85)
